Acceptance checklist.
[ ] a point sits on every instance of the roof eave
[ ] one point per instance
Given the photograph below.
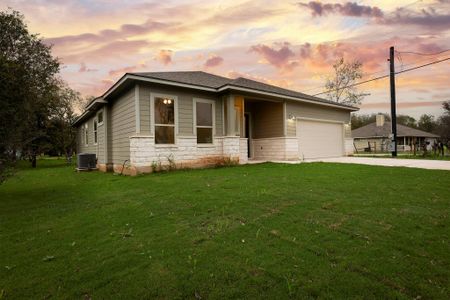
(232, 87)
(129, 76)
(93, 106)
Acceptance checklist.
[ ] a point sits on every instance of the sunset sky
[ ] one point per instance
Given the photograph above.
(287, 43)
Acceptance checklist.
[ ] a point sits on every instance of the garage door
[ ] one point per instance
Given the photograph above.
(317, 139)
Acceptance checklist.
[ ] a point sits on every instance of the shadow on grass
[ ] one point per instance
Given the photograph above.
(45, 163)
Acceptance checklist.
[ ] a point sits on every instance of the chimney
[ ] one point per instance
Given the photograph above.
(380, 120)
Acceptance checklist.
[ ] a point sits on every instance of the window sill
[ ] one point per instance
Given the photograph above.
(166, 146)
(206, 145)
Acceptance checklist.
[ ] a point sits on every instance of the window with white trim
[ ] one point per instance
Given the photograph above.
(86, 134)
(204, 121)
(95, 132)
(164, 116)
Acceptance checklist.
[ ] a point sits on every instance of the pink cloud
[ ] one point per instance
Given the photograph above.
(280, 58)
(164, 56)
(213, 61)
(402, 105)
(84, 68)
(107, 35)
(110, 51)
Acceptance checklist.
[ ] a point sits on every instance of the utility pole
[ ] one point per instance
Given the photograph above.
(393, 109)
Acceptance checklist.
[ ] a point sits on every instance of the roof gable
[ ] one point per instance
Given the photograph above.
(372, 130)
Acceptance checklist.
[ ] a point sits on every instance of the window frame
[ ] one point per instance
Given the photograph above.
(95, 131)
(103, 118)
(153, 125)
(86, 134)
(195, 126)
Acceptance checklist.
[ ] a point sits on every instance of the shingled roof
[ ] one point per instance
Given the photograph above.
(209, 82)
(203, 79)
(188, 77)
(372, 130)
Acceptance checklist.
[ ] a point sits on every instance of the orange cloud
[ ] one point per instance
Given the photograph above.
(129, 69)
(164, 56)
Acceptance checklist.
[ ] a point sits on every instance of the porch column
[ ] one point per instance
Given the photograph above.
(230, 116)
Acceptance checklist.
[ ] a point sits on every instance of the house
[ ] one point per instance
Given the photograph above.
(374, 137)
(196, 119)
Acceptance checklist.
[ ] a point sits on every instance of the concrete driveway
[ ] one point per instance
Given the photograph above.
(390, 162)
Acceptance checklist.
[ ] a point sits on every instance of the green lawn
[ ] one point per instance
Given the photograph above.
(271, 231)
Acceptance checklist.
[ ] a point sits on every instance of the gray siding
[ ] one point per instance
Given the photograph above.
(267, 119)
(122, 122)
(99, 148)
(306, 110)
(144, 108)
(101, 143)
(90, 147)
(185, 108)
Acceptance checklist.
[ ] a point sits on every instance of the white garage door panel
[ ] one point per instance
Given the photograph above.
(319, 139)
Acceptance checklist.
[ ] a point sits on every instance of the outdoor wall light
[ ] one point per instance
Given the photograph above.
(291, 117)
(167, 101)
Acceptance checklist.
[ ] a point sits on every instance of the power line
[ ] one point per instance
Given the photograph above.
(364, 75)
(421, 66)
(352, 85)
(423, 54)
(384, 76)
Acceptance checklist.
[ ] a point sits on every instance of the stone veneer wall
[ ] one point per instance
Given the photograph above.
(281, 148)
(348, 146)
(243, 153)
(185, 153)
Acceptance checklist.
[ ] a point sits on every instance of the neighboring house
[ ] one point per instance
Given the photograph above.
(374, 137)
(198, 119)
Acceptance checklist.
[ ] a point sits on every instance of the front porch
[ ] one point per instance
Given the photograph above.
(261, 125)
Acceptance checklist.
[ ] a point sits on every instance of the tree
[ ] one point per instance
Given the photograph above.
(443, 127)
(28, 88)
(60, 133)
(427, 123)
(338, 86)
(407, 121)
(363, 120)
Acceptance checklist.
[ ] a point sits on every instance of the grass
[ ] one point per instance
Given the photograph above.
(272, 231)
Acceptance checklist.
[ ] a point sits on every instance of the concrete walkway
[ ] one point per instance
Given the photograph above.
(390, 162)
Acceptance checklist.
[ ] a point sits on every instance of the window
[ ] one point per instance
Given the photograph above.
(86, 134)
(100, 118)
(164, 120)
(95, 132)
(204, 120)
